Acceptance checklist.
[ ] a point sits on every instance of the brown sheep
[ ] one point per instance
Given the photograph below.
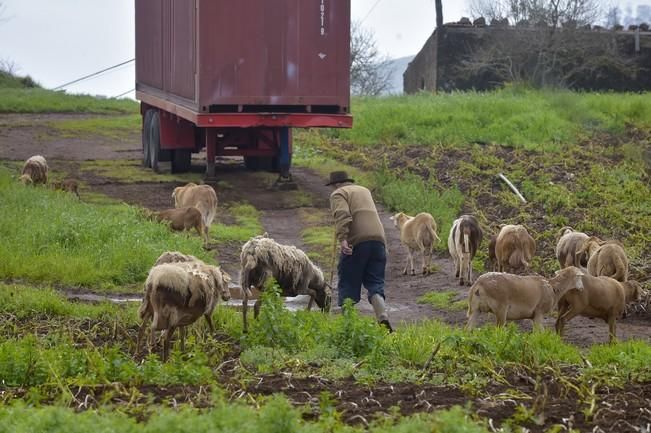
(185, 218)
(605, 258)
(514, 248)
(568, 245)
(463, 243)
(516, 297)
(176, 295)
(66, 185)
(417, 233)
(492, 258)
(34, 171)
(203, 197)
(602, 298)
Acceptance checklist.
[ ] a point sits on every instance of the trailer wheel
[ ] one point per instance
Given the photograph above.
(154, 141)
(146, 126)
(181, 160)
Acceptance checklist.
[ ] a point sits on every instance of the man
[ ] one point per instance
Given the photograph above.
(361, 238)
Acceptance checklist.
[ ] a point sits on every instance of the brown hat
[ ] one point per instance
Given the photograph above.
(339, 177)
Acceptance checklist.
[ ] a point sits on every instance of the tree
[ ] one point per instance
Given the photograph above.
(553, 13)
(370, 73)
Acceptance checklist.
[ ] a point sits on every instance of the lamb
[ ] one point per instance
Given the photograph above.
(602, 298)
(463, 243)
(262, 257)
(514, 248)
(34, 171)
(67, 185)
(417, 234)
(176, 295)
(203, 197)
(184, 218)
(605, 258)
(568, 245)
(516, 297)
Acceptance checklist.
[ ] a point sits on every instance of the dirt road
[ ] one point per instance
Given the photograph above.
(280, 218)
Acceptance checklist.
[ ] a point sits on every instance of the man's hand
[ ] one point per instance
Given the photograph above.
(346, 249)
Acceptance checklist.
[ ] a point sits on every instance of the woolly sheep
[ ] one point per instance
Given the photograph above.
(34, 171)
(568, 247)
(203, 197)
(417, 233)
(514, 248)
(605, 258)
(262, 257)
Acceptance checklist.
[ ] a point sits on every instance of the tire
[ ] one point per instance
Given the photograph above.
(181, 160)
(154, 141)
(146, 126)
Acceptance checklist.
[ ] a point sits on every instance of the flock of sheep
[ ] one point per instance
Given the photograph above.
(592, 281)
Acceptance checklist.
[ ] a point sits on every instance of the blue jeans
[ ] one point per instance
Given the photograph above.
(365, 266)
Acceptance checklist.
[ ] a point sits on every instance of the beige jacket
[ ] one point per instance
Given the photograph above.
(356, 218)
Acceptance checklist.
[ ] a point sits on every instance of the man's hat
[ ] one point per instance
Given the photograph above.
(339, 177)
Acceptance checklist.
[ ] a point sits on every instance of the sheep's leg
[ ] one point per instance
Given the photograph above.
(469, 282)
(500, 315)
(462, 270)
(141, 334)
(184, 332)
(310, 304)
(457, 269)
(167, 342)
(538, 321)
(210, 325)
(256, 308)
(612, 334)
(410, 262)
(245, 306)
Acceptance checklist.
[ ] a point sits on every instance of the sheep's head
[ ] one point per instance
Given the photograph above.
(322, 296)
(634, 291)
(589, 246)
(26, 179)
(220, 281)
(562, 232)
(570, 278)
(399, 219)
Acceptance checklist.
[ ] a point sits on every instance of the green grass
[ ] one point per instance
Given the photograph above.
(36, 100)
(247, 224)
(515, 117)
(114, 127)
(11, 81)
(443, 300)
(50, 237)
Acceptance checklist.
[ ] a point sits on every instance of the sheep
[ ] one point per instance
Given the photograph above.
(463, 243)
(66, 185)
(262, 257)
(203, 197)
(417, 233)
(605, 258)
(514, 248)
(34, 171)
(516, 297)
(184, 218)
(176, 295)
(175, 257)
(492, 258)
(602, 298)
(567, 246)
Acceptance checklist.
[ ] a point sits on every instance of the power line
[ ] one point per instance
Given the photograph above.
(370, 11)
(85, 77)
(125, 93)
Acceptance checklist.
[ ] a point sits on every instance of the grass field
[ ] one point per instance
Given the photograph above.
(578, 158)
(37, 100)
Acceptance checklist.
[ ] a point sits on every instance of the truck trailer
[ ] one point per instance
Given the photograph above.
(235, 76)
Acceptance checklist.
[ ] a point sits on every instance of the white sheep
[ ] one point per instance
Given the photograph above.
(176, 295)
(602, 298)
(262, 257)
(568, 245)
(463, 243)
(516, 297)
(34, 171)
(417, 233)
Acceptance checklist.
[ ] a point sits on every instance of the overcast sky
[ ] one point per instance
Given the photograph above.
(56, 41)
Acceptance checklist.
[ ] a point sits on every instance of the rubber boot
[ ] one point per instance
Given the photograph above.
(380, 309)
